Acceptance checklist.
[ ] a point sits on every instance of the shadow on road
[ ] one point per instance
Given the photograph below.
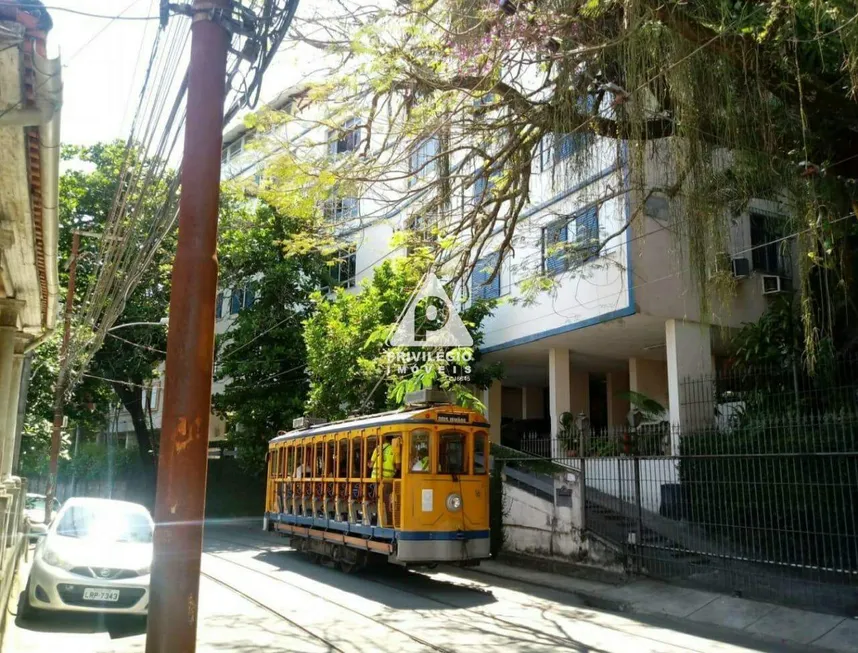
(388, 584)
(115, 625)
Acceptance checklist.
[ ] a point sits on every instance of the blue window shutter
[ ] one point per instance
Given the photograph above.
(480, 186)
(554, 256)
(219, 306)
(566, 146)
(480, 286)
(235, 301)
(587, 233)
(249, 295)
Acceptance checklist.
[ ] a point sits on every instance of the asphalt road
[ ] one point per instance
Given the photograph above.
(256, 593)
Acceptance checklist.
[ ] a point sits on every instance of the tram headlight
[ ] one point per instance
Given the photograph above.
(454, 502)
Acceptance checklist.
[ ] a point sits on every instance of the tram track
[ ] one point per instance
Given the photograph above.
(270, 610)
(558, 641)
(419, 640)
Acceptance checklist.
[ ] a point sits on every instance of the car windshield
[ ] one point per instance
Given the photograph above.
(109, 524)
(35, 503)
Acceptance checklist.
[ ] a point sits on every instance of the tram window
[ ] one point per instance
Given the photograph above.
(342, 459)
(371, 443)
(319, 468)
(282, 465)
(480, 453)
(290, 461)
(418, 460)
(451, 454)
(356, 458)
(303, 470)
(329, 458)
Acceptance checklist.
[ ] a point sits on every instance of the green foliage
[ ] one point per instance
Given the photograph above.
(773, 340)
(261, 358)
(128, 358)
(497, 512)
(778, 488)
(351, 368)
(99, 462)
(650, 409)
(735, 100)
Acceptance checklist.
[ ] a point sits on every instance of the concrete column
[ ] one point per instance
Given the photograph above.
(689, 377)
(618, 407)
(559, 398)
(492, 399)
(8, 329)
(9, 431)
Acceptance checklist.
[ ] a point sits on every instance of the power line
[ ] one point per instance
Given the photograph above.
(76, 12)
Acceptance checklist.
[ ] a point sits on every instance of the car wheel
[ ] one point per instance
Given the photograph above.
(25, 610)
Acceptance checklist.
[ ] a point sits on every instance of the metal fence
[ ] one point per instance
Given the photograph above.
(756, 494)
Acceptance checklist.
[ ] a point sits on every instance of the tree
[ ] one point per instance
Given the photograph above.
(127, 359)
(87, 408)
(261, 358)
(351, 368)
(739, 99)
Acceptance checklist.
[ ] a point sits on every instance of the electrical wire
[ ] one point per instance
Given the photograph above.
(134, 230)
(111, 17)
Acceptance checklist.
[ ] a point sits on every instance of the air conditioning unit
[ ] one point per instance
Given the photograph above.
(741, 268)
(306, 422)
(774, 284)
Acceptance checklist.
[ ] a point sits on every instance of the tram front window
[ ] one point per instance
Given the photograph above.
(452, 453)
(418, 461)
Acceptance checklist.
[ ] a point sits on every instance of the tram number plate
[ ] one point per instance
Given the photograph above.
(99, 594)
(449, 418)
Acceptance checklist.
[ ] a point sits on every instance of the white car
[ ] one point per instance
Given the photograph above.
(96, 557)
(34, 509)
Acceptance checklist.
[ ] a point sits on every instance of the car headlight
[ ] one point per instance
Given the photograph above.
(52, 558)
(454, 502)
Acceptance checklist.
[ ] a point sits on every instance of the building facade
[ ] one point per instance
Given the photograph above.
(623, 313)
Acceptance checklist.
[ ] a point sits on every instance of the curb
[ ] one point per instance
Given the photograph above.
(570, 569)
(597, 602)
(589, 599)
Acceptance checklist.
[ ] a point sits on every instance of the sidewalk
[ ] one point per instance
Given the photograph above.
(788, 626)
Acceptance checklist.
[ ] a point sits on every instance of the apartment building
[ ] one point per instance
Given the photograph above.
(622, 315)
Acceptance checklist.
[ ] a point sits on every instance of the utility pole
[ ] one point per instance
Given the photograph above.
(183, 456)
(59, 391)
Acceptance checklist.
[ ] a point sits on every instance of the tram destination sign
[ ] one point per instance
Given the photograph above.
(452, 418)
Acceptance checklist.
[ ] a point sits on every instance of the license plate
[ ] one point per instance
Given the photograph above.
(98, 594)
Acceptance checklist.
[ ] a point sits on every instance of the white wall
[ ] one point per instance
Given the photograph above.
(535, 526)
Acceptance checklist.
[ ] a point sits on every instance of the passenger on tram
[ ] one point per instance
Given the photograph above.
(421, 459)
(389, 457)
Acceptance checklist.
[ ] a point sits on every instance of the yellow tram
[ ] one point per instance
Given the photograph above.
(410, 485)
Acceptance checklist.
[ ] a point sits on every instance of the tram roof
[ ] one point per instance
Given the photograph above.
(379, 419)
